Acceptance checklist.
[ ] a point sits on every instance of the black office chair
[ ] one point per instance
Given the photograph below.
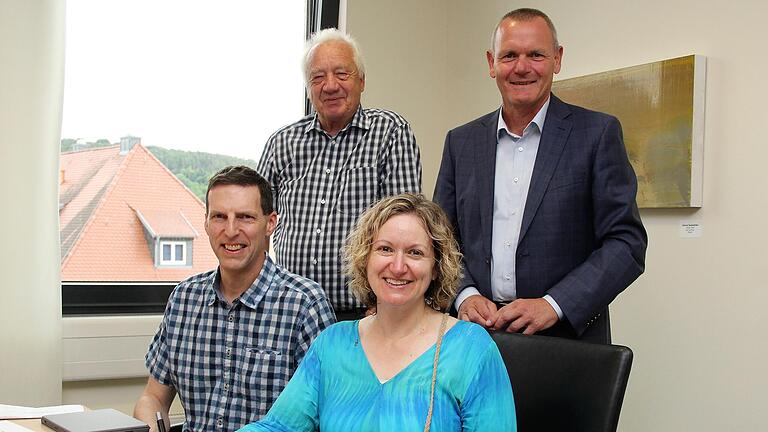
(565, 385)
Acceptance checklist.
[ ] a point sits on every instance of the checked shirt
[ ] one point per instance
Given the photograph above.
(322, 184)
(229, 363)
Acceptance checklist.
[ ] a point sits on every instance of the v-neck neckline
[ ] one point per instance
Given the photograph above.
(429, 350)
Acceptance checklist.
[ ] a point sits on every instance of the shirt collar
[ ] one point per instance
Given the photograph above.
(538, 120)
(253, 294)
(359, 120)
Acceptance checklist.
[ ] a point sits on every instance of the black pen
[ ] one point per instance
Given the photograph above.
(160, 422)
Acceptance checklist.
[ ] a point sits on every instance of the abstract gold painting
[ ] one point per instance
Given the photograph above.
(661, 109)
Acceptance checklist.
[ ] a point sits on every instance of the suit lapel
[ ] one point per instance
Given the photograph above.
(486, 172)
(553, 138)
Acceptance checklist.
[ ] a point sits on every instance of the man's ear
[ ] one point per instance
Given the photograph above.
(491, 59)
(558, 59)
(271, 223)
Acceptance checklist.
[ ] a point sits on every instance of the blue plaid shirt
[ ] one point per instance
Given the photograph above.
(229, 363)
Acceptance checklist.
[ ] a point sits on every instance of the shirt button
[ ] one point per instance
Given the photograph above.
(319, 230)
(314, 261)
(226, 386)
(333, 141)
(220, 423)
(516, 179)
(231, 318)
(322, 201)
(327, 170)
(507, 277)
(514, 212)
(519, 149)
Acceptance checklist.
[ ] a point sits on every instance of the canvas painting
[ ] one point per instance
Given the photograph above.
(661, 109)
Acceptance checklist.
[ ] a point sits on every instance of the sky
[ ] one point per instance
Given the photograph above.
(217, 76)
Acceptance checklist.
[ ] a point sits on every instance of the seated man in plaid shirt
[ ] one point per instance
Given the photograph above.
(329, 167)
(232, 337)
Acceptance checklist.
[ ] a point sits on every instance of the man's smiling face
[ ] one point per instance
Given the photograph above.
(335, 85)
(523, 63)
(238, 229)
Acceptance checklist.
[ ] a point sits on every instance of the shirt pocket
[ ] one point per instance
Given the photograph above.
(264, 375)
(358, 191)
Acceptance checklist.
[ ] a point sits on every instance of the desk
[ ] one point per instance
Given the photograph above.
(33, 424)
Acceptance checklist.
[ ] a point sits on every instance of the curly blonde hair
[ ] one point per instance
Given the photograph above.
(442, 290)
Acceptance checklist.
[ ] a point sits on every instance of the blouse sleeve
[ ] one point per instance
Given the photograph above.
(488, 403)
(296, 409)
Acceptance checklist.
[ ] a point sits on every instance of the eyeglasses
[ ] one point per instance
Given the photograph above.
(318, 78)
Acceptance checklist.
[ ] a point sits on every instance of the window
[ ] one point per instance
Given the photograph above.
(158, 96)
(173, 253)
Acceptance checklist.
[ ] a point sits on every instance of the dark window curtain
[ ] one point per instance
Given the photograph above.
(321, 14)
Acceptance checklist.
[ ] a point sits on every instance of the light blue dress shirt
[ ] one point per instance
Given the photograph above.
(515, 158)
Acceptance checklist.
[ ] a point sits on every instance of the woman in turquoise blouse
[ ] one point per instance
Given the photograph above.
(408, 367)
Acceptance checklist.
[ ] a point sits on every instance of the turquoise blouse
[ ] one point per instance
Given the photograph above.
(335, 388)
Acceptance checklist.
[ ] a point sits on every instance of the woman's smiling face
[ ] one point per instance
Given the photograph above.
(401, 263)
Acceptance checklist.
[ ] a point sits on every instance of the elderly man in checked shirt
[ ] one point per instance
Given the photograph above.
(329, 167)
(232, 337)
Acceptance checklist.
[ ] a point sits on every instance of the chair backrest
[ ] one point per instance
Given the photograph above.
(565, 385)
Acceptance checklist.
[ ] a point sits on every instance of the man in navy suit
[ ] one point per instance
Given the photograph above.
(542, 197)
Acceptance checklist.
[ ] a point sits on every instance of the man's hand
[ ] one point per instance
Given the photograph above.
(478, 309)
(533, 315)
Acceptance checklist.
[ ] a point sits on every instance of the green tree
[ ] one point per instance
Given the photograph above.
(67, 143)
(195, 168)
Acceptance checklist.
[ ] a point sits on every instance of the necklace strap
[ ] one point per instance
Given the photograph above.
(440, 334)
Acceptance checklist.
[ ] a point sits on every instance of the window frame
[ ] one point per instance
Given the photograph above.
(174, 261)
(136, 297)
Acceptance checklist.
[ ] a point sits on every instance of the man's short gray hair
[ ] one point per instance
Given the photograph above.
(331, 35)
(525, 14)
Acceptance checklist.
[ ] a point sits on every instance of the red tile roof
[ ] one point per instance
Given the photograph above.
(83, 177)
(166, 222)
(103, 198)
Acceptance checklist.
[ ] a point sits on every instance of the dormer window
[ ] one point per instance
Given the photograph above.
(173, 252)
(169, 235)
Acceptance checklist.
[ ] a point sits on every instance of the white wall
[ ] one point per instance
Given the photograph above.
(31, 81)
(696, 319)
(406, 56)
(103, 360)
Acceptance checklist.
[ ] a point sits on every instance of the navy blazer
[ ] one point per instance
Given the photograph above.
(581, 239)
